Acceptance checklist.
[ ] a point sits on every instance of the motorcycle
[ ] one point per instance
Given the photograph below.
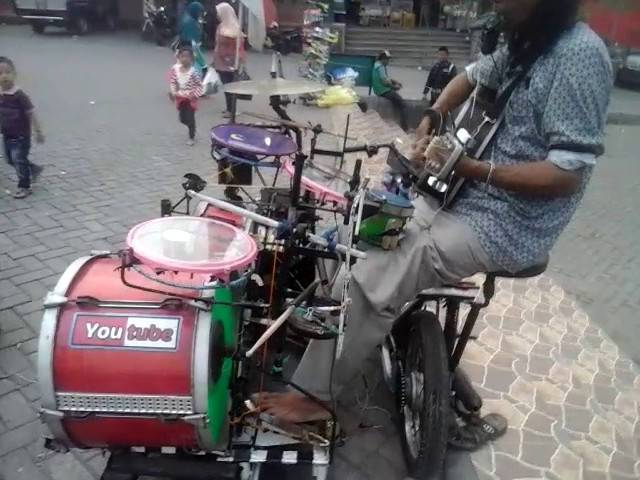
(159, 24)
(283, 41)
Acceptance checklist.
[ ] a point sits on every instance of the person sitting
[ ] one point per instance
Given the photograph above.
(516, 200)
(442, 72)
(386, 87)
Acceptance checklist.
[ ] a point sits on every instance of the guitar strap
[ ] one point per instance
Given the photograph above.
(495, 110)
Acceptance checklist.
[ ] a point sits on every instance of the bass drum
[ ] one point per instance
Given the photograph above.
(206, 210)
(120, 367)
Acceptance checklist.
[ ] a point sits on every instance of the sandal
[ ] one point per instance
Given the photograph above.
(22, 193)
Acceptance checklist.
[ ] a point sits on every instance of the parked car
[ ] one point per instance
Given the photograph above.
(628, 69)
(78, 16)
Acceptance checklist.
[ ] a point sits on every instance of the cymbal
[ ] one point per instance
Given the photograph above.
(303, 126)
(273, 86)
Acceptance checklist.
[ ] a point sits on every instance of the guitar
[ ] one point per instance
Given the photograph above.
(473, 129)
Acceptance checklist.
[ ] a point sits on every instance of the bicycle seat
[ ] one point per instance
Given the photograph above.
(528, 272)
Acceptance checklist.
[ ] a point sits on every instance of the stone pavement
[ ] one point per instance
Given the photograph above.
(114, 149)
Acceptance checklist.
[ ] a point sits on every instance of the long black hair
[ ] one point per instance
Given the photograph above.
(540, 32)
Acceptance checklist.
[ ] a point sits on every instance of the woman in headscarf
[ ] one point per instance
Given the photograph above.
(191, 33)
(224, 54)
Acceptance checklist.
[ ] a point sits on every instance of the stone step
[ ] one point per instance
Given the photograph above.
(405, 32)
(409, 47)
(397, 49)
(425, 57)
(396, 43)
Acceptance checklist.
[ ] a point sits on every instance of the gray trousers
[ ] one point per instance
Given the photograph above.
(438, 249)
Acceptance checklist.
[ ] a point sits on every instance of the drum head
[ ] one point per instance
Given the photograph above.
(248, 139)
(191, 244)
(327, 183)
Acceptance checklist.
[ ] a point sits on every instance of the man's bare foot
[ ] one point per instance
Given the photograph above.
(290, 407)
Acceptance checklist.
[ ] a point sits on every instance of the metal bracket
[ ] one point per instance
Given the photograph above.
(54, 300)
(47, 414)
(198, 420)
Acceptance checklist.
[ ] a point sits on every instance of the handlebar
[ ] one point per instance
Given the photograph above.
(269, 222)
(369, 149)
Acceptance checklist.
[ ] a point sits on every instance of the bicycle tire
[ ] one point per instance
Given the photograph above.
(424, 331)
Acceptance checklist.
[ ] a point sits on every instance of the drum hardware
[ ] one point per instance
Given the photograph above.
(145, 254)
(316, 129)
(239, 150)
(307, 292)
(192, 182)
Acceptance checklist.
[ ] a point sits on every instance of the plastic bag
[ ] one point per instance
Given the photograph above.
(211, 82)
(337, 95)
(199, 61)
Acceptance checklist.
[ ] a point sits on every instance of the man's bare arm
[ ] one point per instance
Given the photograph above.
(538, 179)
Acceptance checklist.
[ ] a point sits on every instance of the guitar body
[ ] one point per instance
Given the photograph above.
(472, 117)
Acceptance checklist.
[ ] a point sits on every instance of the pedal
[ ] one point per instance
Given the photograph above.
(317, 433)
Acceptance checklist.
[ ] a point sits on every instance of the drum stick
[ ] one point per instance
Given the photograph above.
(283, 318)
(288, 123)
(269, 222)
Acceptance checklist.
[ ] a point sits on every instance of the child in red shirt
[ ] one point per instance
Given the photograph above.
(185, 87)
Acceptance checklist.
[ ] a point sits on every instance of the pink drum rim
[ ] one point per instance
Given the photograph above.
(324, 193)
(207, 267)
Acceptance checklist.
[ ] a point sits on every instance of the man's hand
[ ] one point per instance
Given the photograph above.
(172, 97)
(417, 154)
(423, 130)
(39, 136)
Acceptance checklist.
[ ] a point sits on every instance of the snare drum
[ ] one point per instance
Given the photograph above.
(239, 148)
(328, 184)
(193, 245)
(384, 217)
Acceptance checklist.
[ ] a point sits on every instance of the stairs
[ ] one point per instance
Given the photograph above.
(409, 47)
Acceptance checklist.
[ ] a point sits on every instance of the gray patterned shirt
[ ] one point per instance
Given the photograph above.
(557, 113)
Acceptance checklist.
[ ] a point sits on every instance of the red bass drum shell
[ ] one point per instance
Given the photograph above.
(119, 371)
(206, 210)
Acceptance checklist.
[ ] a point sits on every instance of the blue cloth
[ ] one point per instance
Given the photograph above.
(190, 29)
(16, 152)
(558, 113)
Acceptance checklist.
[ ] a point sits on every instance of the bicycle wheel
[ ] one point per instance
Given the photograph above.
(423, 396)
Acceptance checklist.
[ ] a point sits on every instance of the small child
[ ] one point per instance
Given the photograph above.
(185, 87)
(17, 121)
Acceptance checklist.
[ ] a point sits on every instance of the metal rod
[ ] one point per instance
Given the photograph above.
(239, 38)
(283, 318)
(269, 222)
(344, 143)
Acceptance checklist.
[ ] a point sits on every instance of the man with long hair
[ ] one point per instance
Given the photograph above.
(516, 201)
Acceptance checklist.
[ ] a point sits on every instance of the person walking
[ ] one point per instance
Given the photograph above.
(17, 123)
(185, 87)
(224, 54)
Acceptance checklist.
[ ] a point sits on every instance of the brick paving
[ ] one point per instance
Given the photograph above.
(114, 149)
